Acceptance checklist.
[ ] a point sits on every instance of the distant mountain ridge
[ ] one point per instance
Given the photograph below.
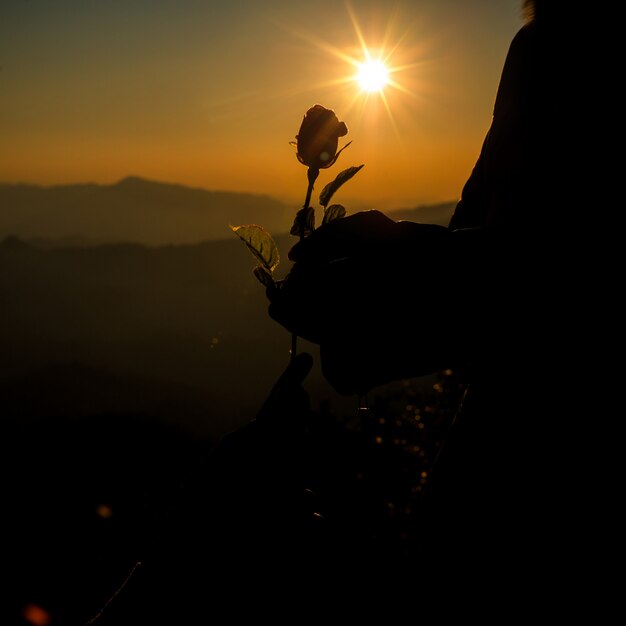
(133, 210)
(137, 210)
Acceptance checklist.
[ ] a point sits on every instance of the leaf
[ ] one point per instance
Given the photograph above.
(264, 275)
(260, 243)
(333, 212)
(341, 178)
(304, 222)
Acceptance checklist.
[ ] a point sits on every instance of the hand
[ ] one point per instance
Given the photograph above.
(366, 253)
(362, 234)
(373, 293)
(275, 438)
(305, 300)
(349, 236)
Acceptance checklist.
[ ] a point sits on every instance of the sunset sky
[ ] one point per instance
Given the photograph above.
(210, 93)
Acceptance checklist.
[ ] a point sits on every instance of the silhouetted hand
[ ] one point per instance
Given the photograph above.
(270, 449)
(288, 402)
(362, 235)
(375, 294)
(343, 262)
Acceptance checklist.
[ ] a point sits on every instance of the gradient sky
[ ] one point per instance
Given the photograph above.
(209, 93)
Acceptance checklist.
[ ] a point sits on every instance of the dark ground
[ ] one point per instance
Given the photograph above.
(87, 497)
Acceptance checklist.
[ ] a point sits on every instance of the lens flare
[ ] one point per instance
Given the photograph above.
(380, 68)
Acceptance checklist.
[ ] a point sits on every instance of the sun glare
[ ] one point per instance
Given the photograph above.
(372, 76)
(381, 67)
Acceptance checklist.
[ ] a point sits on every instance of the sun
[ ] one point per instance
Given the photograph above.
(372, 76)
(375, 71)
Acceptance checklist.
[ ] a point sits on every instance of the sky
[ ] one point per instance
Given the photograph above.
(210, 93)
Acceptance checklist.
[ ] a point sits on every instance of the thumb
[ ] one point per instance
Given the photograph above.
(287, 395)
(297, 370)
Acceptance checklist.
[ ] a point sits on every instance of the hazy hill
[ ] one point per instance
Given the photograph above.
(147, 212)
(134, 210)
(177, 331)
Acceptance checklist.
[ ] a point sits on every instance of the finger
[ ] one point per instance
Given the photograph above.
(287, 395)
(297, 370)
(293, 375)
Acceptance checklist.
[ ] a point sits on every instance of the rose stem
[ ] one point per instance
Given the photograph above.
(312, 174)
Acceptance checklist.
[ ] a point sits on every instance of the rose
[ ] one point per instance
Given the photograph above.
(316, 145)
(318, 138)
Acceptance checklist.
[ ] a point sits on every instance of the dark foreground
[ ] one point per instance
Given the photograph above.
(311, 509)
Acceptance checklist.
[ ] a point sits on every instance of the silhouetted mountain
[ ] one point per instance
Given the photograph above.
(125, 327)
(134, 210)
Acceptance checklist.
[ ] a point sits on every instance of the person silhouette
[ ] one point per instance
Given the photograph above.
(513, 501)
(495, 296)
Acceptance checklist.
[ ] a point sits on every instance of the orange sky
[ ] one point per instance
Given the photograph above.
(210, 94)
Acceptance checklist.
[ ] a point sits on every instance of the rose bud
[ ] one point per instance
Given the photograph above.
(318, 137)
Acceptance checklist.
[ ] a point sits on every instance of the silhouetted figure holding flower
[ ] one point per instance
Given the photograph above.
(513, 501)
(497, 297)
(247, 518)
